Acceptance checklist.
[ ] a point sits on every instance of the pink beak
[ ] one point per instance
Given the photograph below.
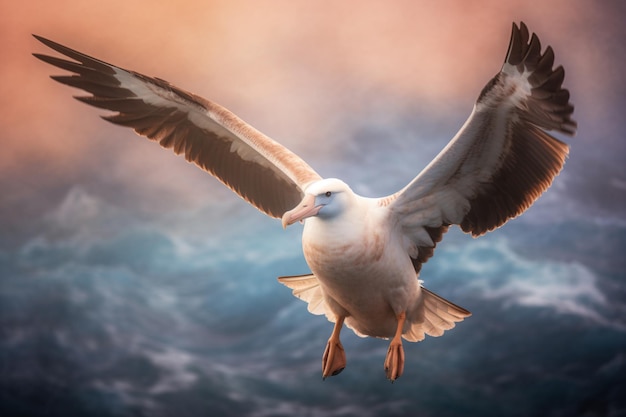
(305, 209)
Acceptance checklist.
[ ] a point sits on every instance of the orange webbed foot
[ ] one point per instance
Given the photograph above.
(334, 359)
(394, 362)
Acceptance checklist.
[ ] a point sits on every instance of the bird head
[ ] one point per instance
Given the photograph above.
(325, 199)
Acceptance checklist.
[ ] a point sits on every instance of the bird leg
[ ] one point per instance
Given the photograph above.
(394, 363)
(334, 359)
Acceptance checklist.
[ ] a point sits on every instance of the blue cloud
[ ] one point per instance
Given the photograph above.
(139, 316)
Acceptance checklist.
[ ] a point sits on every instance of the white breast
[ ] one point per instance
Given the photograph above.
(363, 268)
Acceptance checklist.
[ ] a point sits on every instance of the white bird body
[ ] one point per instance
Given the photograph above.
(365, 254)
(363, 267)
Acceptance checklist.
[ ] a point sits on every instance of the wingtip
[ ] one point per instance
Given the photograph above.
(46, 42)
(514, 41)
(523, 27)
(51, 44)
(43, 40)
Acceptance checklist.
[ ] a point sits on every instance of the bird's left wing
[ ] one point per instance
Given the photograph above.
(260, 170)
(500, 161)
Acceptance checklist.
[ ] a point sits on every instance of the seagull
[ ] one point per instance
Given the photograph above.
(365, 254)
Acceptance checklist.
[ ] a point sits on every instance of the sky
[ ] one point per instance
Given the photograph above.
(105, 231)
(305, 75)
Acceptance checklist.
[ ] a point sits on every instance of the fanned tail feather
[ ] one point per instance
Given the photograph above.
(438, 316)
(307, 288)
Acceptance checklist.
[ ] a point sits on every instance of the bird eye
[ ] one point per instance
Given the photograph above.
(328, 193)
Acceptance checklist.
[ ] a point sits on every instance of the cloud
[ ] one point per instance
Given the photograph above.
(143, 315)
(132, 283)
(490, 269)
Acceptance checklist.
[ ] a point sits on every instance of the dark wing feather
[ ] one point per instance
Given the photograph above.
(260, 170)
(500, 161)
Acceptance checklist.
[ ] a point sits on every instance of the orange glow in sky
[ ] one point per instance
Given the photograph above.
(295, 70)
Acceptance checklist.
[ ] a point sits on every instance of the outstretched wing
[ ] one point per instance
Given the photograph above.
(260, 170)
(500, 161)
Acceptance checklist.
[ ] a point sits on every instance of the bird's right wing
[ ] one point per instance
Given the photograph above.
(263, 172)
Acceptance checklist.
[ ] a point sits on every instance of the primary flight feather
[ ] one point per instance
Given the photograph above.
(365, 254)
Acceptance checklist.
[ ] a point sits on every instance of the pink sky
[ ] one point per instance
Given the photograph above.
(295, 70)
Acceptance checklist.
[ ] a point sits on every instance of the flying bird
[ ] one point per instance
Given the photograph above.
(365, 254)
